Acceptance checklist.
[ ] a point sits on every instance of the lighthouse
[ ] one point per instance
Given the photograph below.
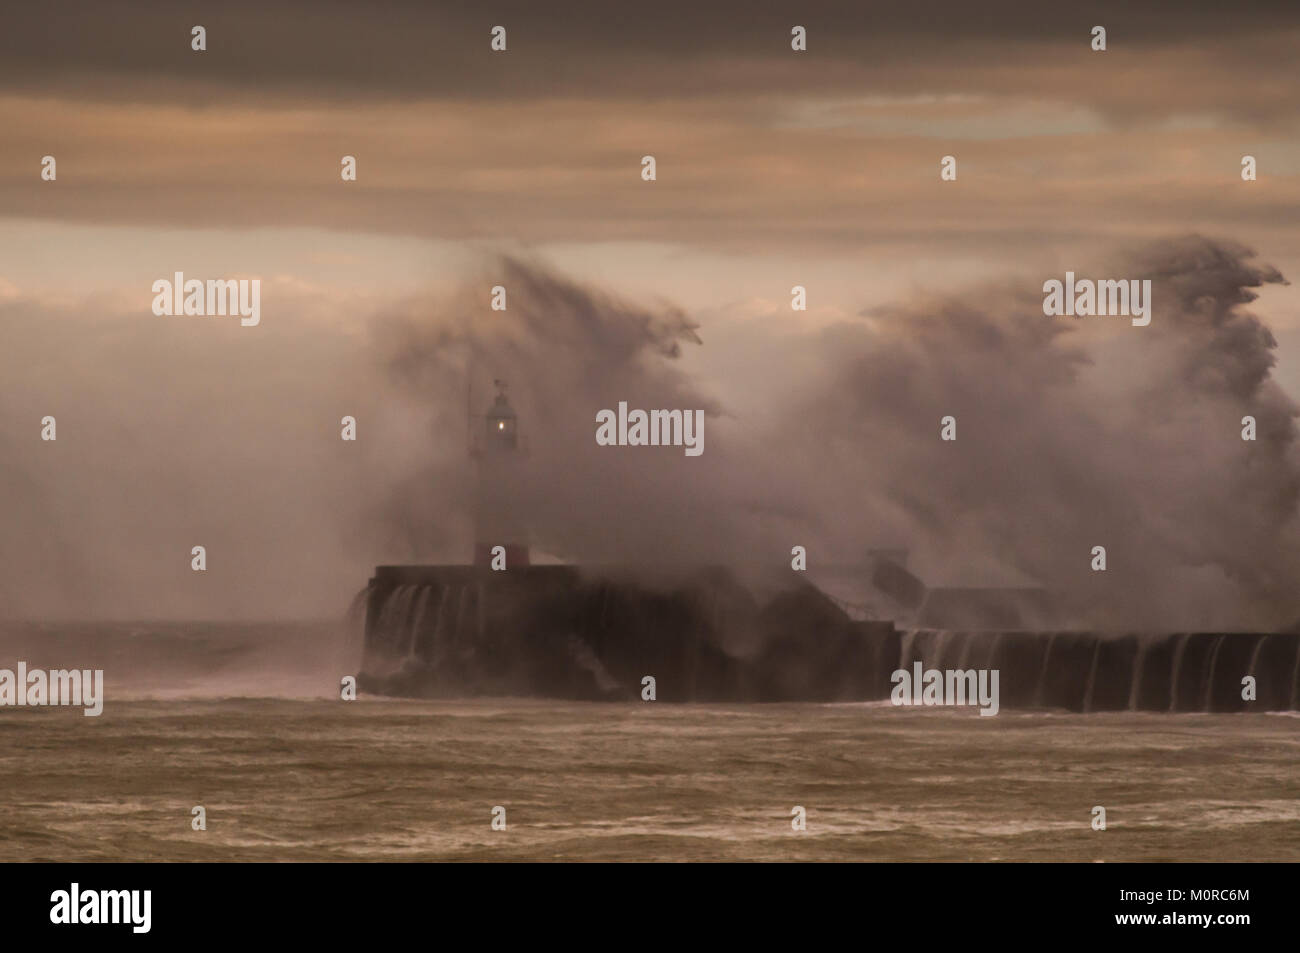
(498, 511)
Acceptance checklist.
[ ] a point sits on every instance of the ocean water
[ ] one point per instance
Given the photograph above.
(246, 721)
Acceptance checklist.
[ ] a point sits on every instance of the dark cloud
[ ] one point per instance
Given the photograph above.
(336, 50)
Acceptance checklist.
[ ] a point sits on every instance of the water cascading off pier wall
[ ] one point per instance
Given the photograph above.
(554, 631)
(546, 630)
(1089, 672)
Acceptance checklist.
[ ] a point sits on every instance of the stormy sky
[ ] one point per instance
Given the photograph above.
(775, 168)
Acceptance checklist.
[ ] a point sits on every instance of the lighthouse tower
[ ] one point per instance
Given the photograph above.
(498, 511)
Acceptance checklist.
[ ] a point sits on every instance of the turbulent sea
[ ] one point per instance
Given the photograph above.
(245, 720)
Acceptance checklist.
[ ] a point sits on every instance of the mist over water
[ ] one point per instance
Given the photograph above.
(193, 660)
(1071, 433)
